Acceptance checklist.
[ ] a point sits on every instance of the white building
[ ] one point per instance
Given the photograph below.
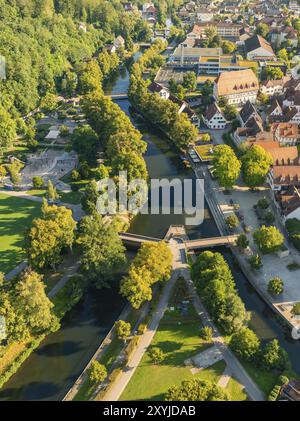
(214, 118)
(238, 87)
(258, 48)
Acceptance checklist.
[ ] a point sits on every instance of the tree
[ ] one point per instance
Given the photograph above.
(206, 333)
(32, 305)
(49, 103)
(196, 390)
(97, 372)
(230, 112)
(156, 355)
(245, 343)
(3, 172)
(206, 137)
(123, 330)
(189, 81)
(232, 221)
(274, 73)
(183, 132)
(226, 165)
(152, 264)
(275, 286)
(296, 309)
(90, 197)
(64, 131)
(49, 236)
(103, 253)
(255, 261)
(51, 193)
(37, 182)
(269, 218)
(242, 241)
(7, 130)
(283, 55)
(268, 239)
(85, 142)
(262, 29)
(228, 47)
(273, 356)
(256, 164)
(263, 203)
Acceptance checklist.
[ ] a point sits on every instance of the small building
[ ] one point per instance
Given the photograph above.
(287, 134)
(248, 111)
(119, 42)
(274, 112)
(273, 87)
(163, 92)
(214, 118)
(257, 48)
(237, 88)
(289, 205)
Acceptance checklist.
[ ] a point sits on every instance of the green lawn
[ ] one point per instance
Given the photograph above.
(179, 342)
(236, 391)
(204, 152)
(16, 215)
(71, 197)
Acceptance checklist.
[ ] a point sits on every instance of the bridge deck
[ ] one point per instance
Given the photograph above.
(228, 240)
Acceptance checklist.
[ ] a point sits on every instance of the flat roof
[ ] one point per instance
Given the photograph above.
(191, 51)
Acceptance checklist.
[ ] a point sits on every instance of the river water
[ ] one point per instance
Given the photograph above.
(50, 371)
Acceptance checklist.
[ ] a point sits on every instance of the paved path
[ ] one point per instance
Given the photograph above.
(121, 382)
(225, 378)
(18, 269)
(69, 272)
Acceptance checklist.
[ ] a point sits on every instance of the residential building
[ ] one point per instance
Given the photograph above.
(250, 132)
(294, 7)
(159, 89)
(287, 134)
(239, 89)
(289, 205)
(273, 87)
(257, 48)
(119, 42)
(248, 111)
(274, 112)
(149, 13)
(282, 177)
(214, 118)
(224, 30)
(204, 15)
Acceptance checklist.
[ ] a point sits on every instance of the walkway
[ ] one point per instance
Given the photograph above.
(228, 240)
(121, 382)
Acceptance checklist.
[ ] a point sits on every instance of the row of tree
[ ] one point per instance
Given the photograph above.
(152, 264)
(217, 287)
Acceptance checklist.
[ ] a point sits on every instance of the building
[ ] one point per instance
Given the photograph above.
(149, 13)
(248, 111)
(119, 42)
(159, 89)
(289, 205)
(250, 132)
(225, 30)
(282, 156)
(204, 15)
(287, 134)
(257, 48)
(214, 118)
(273, 87)
(282, 177)
(274, 112)
(239, 89)
(294, 7)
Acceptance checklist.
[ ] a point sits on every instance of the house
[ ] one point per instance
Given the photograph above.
(281, 155)
(249, 132)
(282, 177)
(248, 111)
(149, 13)
(244, 34)
(111, 48)
(273, 87)
(283, 34)
(289, 205)
(159, 89)
(274, 112)
(82, 27)
(204, 15)
(294, 7)
(214, 118)
(292, 115)
(239, 89)
(119, 42)
(128, 7)
(257, 48)
(287, 134)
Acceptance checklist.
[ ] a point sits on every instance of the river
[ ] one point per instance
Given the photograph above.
(50, 371)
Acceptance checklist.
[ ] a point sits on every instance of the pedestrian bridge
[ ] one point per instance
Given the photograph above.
(118, 96)
(136, 240)
(227, 240)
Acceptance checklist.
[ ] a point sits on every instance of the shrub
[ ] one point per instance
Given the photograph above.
(97, 372)
(296, 309)
(156, 355)
(245, 343)
(275, 286)
(37, 182)
(206, 333)
(255, 261)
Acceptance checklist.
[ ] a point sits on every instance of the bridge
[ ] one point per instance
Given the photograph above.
(227, 240)
(118, 96)
(135, 240)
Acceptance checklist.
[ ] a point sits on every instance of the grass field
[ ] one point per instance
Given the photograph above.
(16, 215)
(179, 340)
(204, 152)
(71, 197)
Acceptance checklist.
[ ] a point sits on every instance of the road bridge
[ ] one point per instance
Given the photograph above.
(118, 96)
